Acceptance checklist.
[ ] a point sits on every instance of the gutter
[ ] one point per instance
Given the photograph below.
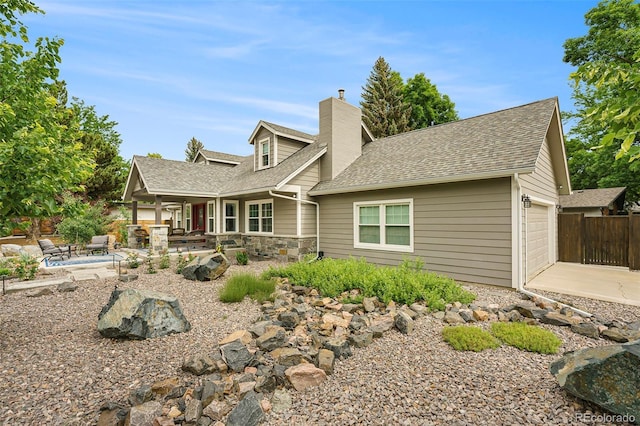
(520, 287)
(300, 200)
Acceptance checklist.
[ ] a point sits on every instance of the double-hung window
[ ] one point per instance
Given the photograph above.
(230, 209)
(211, 216)
(384, 225)
(265, 154)
(260, 216)
(187, 217)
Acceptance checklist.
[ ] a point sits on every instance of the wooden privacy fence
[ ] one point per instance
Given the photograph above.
(606, 240)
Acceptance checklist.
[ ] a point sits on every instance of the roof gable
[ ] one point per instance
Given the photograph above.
(490, 145)
(281, 131)
(220, 157)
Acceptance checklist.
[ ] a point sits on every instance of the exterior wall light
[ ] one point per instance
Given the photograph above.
(526, 201)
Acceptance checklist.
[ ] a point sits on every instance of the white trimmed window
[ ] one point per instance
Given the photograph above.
(384, 225)
(178, 219)
(211, 216)
(264, 160)
(187, 218)
(259, 216)
(230, 209)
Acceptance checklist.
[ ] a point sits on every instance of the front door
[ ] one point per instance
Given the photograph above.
(198, 219)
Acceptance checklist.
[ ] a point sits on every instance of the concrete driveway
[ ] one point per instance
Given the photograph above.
(608, 283)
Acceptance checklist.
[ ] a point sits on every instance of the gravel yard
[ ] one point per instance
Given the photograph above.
(57, 369)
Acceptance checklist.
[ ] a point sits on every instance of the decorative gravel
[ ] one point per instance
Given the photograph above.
(57, 369)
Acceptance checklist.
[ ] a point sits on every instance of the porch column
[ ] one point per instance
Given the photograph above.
(158, 209)
(134, 212)
(158, 238)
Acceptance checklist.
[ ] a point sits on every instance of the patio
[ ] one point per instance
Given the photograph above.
(607, 283)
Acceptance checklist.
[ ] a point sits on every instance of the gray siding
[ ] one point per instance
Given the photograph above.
(542, 182)
(462, 230)
(287, 147)
(284, 217)
(262, 134)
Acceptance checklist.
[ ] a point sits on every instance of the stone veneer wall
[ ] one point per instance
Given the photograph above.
(289, 249)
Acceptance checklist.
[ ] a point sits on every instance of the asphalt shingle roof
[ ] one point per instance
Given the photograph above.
(591, 197)
(211, 155)
(488, 145)
(291, 132)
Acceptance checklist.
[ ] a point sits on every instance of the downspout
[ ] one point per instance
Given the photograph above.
(300, 200)
(520, 278)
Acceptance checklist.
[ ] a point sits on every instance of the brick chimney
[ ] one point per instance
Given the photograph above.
(340, 128)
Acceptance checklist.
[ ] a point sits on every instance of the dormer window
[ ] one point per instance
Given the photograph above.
(265, 153)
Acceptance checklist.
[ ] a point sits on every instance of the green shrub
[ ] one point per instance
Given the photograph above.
(133, 260)
(527, 337)
(242, 258)
(184, 261)
(81, 221)
(406, 283)
(165, 260)
(240, 285)
(151, 269)
(467, 338)
(26, 266)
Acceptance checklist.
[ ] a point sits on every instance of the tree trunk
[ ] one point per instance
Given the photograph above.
(33, 233)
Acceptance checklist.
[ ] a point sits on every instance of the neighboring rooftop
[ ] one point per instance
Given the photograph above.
(602, 197)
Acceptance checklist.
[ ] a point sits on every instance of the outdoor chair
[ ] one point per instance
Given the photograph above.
(142, 237)
(99, 243)
(51, 250)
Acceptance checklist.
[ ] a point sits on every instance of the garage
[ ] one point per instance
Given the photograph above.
(537, 239)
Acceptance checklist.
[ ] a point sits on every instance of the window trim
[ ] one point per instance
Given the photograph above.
(225, 217)
(261, 142)
(259, 203)
(211, 207)
(382, 245)
(186, 217)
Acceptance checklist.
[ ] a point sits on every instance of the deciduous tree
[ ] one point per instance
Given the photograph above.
(40, 157)
(428, 106)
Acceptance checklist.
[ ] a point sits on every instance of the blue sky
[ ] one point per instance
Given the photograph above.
(168, 71)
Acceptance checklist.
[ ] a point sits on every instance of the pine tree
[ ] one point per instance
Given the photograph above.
(193, 146)
(383, 109)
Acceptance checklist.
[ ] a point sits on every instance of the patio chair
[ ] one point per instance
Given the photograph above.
(51, 250)
(99, 243)
(142, 237)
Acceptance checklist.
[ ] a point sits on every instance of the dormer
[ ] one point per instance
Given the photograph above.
(219, 158)
(273, 144)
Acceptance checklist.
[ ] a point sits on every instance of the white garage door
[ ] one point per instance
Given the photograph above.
(537, 239)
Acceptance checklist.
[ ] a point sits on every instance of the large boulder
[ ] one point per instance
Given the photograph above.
(141, 314)
(608, 376)
(11, 250)
(206, 268)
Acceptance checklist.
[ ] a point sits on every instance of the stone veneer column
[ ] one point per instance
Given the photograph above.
(131, 237)
(158, 238)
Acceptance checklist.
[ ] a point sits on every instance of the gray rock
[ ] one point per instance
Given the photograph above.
(67, 287)
(112, 414)
(360, 340)
(212, 390)
(236, 355)
(247, 413)
(340, 347)
(265, 384)
(588, 329)
(608, 376)
(141, 314)
(10, 250)
(289, 319)
(530, 310)
(419, 309)
(358, 322)
(271, 339)
(556, 318)
(451, 317)
(404, 323)
(280, 401)
(140, 395)
(206, 268)
(467, 315)
(200, 364)
(369, 303)
(259, 328)
(127, 277)
(39, 292)
(620, 335)
(144, 414)
(193, 411)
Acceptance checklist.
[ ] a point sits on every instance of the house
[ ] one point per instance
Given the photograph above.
(594, 202)
(475, 199)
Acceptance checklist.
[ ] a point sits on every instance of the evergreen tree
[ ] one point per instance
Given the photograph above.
(193, 146)
(383, 110)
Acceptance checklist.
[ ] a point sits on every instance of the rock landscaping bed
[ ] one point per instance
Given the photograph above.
(242, 363)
